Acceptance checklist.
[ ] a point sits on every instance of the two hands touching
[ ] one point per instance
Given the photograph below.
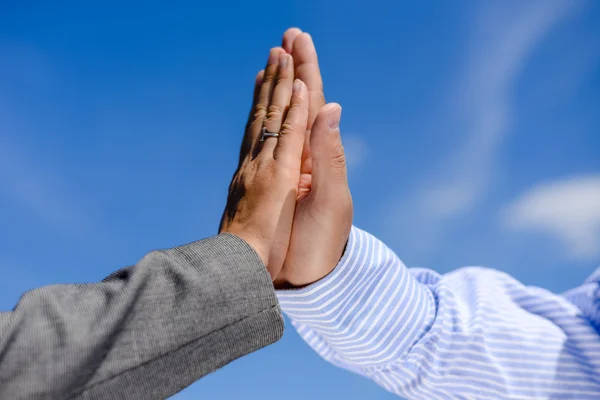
(149, 330)
(289, 197)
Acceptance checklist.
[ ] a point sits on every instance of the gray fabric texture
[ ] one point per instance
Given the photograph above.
(146, 331)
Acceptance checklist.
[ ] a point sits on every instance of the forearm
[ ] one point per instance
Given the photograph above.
(145, 332)
(475, 332)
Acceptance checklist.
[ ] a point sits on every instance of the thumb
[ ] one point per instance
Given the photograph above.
(328, 159)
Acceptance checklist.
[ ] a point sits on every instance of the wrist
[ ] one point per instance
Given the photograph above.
(334, 276)
(310, 270)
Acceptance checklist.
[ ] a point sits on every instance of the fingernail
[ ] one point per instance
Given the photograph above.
(283, 60)
(273, 57)
(297, 85)
(333, 118)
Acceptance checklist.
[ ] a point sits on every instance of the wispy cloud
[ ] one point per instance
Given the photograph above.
(502, 40)
(38, 191)
(32, 185)
(567, 209)
(356, 151)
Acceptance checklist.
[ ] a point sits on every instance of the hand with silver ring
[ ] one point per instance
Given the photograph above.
(263, 191)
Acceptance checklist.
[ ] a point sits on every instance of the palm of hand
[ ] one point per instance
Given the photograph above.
(322, 223)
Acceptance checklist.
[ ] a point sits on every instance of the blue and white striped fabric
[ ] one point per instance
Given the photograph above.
(474, 333)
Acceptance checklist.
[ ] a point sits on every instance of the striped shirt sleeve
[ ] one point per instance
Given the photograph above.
(473, 333)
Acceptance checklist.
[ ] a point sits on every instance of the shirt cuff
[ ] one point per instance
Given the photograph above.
(368, 310)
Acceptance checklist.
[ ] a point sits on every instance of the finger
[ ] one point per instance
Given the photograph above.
(264, 95)
(306, 67)
(288, 39)
(257, 85)
(280, 101)
(328, 160)
(289, 146)
(246, 141)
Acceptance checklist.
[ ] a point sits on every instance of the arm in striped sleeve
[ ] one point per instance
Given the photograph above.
(474, 333)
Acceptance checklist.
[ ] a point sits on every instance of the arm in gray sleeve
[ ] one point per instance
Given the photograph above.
(145, 332)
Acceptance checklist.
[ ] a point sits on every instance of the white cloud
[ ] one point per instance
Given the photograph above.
(355, 149)
(568, 209)
(503, 38)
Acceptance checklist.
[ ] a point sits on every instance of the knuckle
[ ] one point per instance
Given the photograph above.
(274, 113)
(289, 127)
(338, 159)
(260, 110)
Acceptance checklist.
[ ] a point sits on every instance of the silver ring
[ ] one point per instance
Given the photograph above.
(266, 134)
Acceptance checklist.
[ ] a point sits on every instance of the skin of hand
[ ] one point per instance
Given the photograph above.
(323, 215)
(263, 191)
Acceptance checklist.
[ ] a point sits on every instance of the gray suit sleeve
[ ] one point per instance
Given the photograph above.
(145, 332)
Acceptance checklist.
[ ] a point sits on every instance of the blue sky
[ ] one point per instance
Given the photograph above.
(472, 131)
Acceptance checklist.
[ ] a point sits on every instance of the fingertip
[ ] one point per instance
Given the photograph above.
(300, 99)
(305, 38)
(330, 114)
(331, 108)
(259, 77)
(300, 94)
(303, 49)
(286, 62)
(299, 86)
(274, 55)
(292, 32)
(329, 165)
(288, 38)
(334, 114)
